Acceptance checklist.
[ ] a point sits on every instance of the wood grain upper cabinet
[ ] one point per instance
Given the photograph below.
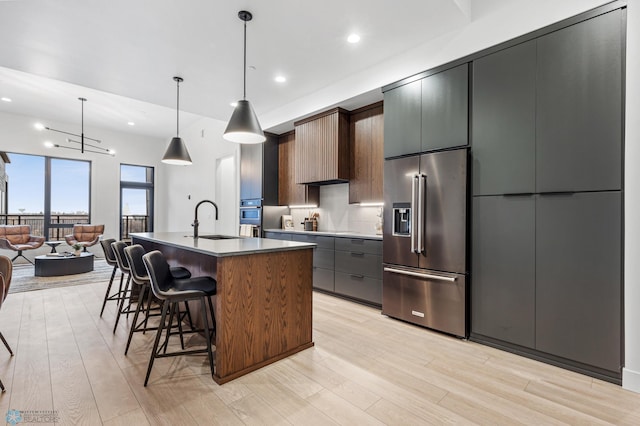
(289, 192)
(322, 148)
(367, 154)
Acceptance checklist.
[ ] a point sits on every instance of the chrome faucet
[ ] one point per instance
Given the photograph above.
(195, 223)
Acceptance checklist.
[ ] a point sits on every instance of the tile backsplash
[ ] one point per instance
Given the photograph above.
(336, 214)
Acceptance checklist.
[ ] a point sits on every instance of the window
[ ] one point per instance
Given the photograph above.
(136, 199)
(50, 194)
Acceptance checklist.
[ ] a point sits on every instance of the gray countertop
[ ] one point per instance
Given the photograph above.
(236, 246)
(344, 234)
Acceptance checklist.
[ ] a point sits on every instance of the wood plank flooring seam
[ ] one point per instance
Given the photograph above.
(75, 339)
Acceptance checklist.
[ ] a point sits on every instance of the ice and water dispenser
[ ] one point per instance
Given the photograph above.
(402, 219)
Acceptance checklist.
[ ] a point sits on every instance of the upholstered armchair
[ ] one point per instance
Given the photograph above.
(18, 238)
(85, 235)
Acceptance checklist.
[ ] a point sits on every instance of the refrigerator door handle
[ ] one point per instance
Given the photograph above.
(422, 214)
(414, 212)
(419, 274)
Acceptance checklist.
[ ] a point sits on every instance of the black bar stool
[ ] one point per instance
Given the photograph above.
(110, 258)
(173, 291)
(140, 277)
(123, 264)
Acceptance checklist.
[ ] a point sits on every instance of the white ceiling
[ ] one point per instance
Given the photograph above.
(121, 55)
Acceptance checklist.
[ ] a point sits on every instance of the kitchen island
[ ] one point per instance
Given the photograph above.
(263, 302)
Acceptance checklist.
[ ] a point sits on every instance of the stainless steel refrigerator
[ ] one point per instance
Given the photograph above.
(425, 240)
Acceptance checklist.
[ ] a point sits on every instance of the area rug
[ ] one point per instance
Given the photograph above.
(24, 280)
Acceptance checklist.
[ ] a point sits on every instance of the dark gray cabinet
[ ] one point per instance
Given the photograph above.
(402, 117)
(323, 261)
(427, 114)
(579, 107)
(503, 268)
(503, 125)
(547, 267)
(578, 277)
(259, 171)
(445, 109)
(358, 269)
(343, 266)
(277, 235)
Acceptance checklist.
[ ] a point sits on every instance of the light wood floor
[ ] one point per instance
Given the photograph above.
(364, 369)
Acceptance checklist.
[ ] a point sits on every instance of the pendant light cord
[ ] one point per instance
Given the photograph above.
(244, 87)
(178, 108)
(82, 125)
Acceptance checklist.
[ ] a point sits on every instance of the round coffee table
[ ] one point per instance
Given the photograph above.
(51, 266)
(53, 245)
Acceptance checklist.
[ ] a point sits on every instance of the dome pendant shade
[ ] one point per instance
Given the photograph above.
(243, 126)
(177, 153)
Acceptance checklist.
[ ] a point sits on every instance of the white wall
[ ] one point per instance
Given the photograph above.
(185, 186)
(631, 372)
(19, 135)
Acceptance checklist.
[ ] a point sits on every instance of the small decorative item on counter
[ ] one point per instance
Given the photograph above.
(287, 222)
(77, 247)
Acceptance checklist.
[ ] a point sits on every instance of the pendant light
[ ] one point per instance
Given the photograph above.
(243, 126)
(84, 146)
(177, 151)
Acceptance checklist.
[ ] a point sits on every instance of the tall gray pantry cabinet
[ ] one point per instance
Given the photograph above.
(547, 146)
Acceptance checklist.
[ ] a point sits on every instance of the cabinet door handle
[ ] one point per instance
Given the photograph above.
(357, 276)
(357, 253)
(558, 193)
(519, 194)
(357, 241)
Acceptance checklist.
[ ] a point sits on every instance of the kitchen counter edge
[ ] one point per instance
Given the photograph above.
(237, 246)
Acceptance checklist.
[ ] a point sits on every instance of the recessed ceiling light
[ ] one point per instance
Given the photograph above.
(39, 126)
(280, 79)
(5, 99)
(48, 144)
(353, 38)
(233, 104)
(131, 123)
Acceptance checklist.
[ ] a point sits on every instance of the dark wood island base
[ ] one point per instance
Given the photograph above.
(263, 305)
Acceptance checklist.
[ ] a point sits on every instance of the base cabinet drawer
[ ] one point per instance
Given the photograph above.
(277, 235)
(323, 258)
(359, 263)
(322, 241)
(359, 287)
(359, 245)
(323, 279)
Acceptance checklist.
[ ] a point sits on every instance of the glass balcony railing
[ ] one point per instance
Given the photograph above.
(62, 224)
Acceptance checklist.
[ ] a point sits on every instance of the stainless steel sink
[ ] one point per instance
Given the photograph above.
(215, 237)
(218, 237)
